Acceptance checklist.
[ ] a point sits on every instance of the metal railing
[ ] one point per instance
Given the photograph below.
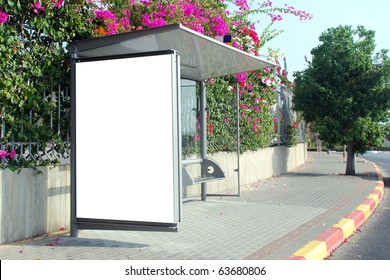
(55, 118)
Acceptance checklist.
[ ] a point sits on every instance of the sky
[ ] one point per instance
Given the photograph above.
(300, 37)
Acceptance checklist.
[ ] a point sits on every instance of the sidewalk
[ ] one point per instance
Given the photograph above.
(271, 220)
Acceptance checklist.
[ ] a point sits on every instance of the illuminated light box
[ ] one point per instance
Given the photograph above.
(126, 129)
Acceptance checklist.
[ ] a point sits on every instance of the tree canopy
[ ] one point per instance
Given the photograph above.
(345, 91)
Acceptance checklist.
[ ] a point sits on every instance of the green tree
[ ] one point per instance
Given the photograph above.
(345, 90)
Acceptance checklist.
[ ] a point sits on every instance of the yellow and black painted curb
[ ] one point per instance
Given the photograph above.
(327, 242)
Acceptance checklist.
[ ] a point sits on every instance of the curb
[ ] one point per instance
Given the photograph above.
(327, 242)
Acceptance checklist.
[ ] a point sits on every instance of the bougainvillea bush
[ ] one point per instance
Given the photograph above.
(33, 57)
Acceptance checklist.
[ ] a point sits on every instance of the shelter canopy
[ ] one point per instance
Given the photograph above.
(201, 57)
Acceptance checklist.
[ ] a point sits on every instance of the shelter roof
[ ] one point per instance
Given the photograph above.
(201, 57)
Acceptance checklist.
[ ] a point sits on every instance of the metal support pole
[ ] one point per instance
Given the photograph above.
(74, 230)
(203, 137)
(238, 139)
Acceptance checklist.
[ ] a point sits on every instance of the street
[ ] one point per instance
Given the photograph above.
(373, 241)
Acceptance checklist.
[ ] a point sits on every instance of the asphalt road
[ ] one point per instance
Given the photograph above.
(373, 241)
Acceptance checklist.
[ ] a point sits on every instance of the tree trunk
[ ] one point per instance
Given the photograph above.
(344, 150)
(350, 159)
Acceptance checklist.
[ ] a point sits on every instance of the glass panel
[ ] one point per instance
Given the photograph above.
(223, 142)
(190, 127)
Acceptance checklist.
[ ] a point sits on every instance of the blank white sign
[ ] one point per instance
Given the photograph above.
(124, 139)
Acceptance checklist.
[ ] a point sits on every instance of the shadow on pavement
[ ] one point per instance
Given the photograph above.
(67, 241)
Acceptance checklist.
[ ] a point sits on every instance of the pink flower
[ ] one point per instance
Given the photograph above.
(196, 137)
(146, 3)
(227, 120)
(126, 12)
(237, 45)
(237, 23)
(12, 154)
(152, 22)
(125, 22)
(105, 14)
(257, 109)
(3, 17)
(219, 26)
(57, 3)
(267, 3)
(37, 6)
(241, 77)
(275, 17)
(243, 5)
(3, 154)
(112, 28)
(196, 26)
(188, 9)
(172, 8)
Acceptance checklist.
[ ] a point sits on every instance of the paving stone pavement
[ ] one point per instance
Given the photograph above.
(270, 220)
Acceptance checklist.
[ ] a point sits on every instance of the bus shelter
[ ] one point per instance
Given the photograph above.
(127, 169)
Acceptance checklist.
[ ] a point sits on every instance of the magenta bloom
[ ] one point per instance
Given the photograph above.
(275, 17)
(256, 108)
(152, 22)
(241, 77)
(242, 4)
(220, 26)
(57, 3)
(12, 154)
(144, 2)
(105, 14)
(3, 17)
(3, 154)
(188, 9)
(37, 6)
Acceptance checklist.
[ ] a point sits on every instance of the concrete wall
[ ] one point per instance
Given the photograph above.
(254, 166)
(34, 204)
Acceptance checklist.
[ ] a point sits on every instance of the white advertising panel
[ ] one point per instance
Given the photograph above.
(125, 151)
